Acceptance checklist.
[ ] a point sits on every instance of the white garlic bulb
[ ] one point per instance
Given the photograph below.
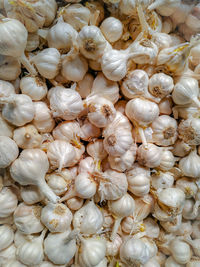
(6, 88)
(100, 111)
(10, 68)
(8, 202)
(8, 254)
(85, 186)
(30, 169)
(43, 119)
(180, 250)
(190, 210)
(84, 86)
(31, 252)
(18, 109)
(56, 217)
(61, 36)
(189, 165)
(56, 181)
(135, 84)
(47, 62)
(162, 180)
(93, 250)
(75, 203)
(5, 128)
(7, 236)
(164, 130)
(89, 131)
(33, 42)
(167, 160)
(165, 106)
(27, 137)
(60, 154)
(170, 262)
(13, 263)
(8, 151)
(88, 219)
(33, 87)
(74, 68)
(173, 225)
(150, 155)
(31, 194)
(65, 103)
(112, 247)
(112, 29)
(60, 248)
(188, 186)
(92, 42)
(27, 218)
(139, 185)
(189, 131)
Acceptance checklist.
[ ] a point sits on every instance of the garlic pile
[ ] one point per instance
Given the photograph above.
(100, 133)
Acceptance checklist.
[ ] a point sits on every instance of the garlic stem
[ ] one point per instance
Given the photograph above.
(47, 191)
(115, 228)
(143, 137)
(28, 65)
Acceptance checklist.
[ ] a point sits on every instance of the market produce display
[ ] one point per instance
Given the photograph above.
(100, 133)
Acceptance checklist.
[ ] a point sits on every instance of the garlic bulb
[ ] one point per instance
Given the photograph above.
(27, 137)
(27, 218)
(170, 262)
(56, 181)
(65, 103)
(192, 20)
(60, 154)
(150, 155)
(165, 106)
(76, 15)
(31, 252)
(139, 185)
(188, 186)
(134, 251)
(189, 165)
(30, 169)
(8, 151)
(10, 68)
(164, 130)
(6, 88)
(112, 247)
(13, 263)
(137, 169)
(31, 195)
(105, 88)
(7, 236)
(84, 86)
(8, 202)
(61, 36)
(5, 128)
(160, 85)
(75, 203)
(33, 87)
(186, 91)
(100, 111)
(93, 250)
(167, 160)
(180, 250)
(43, 120)
(195, 230)
(56, 217)
(135, 84)
(112, 29)
(193, 263)
(121, 208)
(60, 248)
(18, 109)
(172, 226)
(33, 42)
(162, 180)
(92, 42)
(85, 186)
(74, 68)
(112, 184)
(189, 131)
(47, 62)
(88, 219)
(8, 254)
(190, 210)
(89, 131)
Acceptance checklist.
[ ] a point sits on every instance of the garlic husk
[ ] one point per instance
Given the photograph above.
(8, 151)
(31, 252)
(7, 236)
(10, 68)
(43, 119)
(65, 103)
(5, 128)
(8, 202)
(56, 217)
(93, 250)
(33, 87)
(27, 137)
(27, 218)
(60, 248)
(31, 194)
(88, 219)
(18, 109)
(30, 169)
(189, 165)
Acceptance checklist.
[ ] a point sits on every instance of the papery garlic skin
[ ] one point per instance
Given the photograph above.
(65, 103)
(60, 154)
(43, 119)
(189, 131)
(18, 109)
(27, 137)
(47, 62)
(27, 218)
(112, 29)
(7, 236)
(8, 202)
(88, 219)
(56, 217)
(8, 151)
(33, 87)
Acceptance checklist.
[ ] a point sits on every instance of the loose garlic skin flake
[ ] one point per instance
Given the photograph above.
(8, 151)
